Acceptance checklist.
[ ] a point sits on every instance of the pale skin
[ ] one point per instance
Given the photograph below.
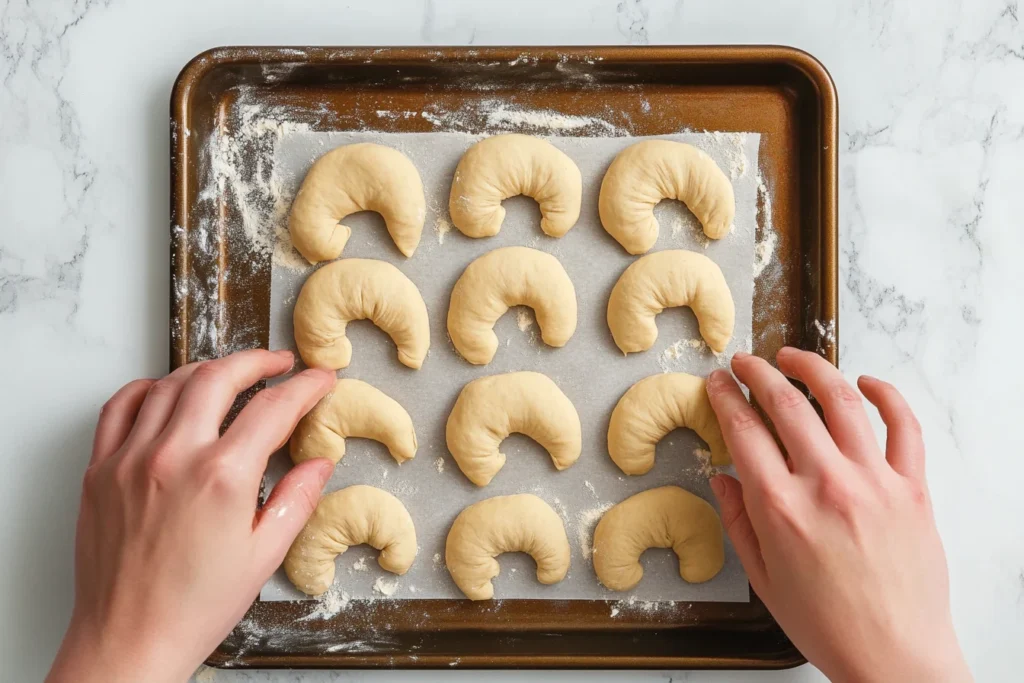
(837, 536)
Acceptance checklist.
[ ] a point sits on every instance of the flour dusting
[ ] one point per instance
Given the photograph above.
(523, 320)
(385, 587)
(442, 228)
(586, 520)
(328, 605)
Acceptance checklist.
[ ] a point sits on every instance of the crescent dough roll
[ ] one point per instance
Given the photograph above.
(647, 172)
(504, 166)
(352, 178)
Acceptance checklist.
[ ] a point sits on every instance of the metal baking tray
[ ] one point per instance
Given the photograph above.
(782, 93)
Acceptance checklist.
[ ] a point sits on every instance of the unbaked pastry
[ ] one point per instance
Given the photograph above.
(490, 408)
(353, 409)
(352, 516)
(352, 178)
(663, 280)
(504, 166)
(357, 289)
(652, 408)
(666, 517)
(649, 171)
(505, 524)
(511, 276)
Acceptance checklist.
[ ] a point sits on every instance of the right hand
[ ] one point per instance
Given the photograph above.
(838, 539)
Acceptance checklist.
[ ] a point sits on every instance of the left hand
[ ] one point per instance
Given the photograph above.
(170, 549)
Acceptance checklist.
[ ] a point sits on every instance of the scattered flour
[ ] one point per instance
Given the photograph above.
(826, 332)
(437, 560)
(560, 508)
(360, 565)
(632, 605)
(732, 146)
(764, 250)
(439, 465)
(524, 320)
(586, 520)
(590, 487)
(680, 352)
(505, 117)
(385, 587)
(703, 457)
(328, 605)
(442, 227)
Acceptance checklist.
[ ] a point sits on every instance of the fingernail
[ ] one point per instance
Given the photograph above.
(740, 355)
(716, 377)
(284, 353)
(326, 470)
(718, 486)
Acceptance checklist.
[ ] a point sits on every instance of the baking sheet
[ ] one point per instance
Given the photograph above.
(589, 369)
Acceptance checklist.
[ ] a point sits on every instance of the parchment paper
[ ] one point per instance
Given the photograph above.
(589, 369)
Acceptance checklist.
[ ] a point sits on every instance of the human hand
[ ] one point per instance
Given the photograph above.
(838, 540)
(170, 550)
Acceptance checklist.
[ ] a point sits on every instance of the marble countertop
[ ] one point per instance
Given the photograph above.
(931, 166)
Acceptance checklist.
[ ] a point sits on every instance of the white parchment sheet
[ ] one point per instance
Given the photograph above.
(589, 369)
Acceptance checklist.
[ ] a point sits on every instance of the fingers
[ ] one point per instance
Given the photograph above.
(842, 405)
(211, 390)
(729, 493)
(265, 424)
(904, 444)
(116, 419)
(159, 405)
(288, 509)
(801, 431)
(753, 450)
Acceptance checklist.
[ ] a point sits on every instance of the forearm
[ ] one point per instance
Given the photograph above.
(98, 658)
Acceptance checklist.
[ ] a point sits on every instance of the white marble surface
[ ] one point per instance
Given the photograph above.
(932, 164)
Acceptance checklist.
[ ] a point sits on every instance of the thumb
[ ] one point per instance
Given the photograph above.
(729, 493)
(289, 507)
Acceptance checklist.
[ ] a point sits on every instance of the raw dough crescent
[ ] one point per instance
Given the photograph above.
(663, 280)
(647, 172)
(505, 524)
(511, 276)
(504, 166)
(652, 408)
(490, 408)
(352, 178)
(352, 516)
(357, 409)
(666, 517)
(357, 289)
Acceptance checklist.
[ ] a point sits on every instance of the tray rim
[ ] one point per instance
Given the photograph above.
(806, 65)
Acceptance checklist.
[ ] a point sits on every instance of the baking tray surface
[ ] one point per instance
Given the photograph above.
(221, 289)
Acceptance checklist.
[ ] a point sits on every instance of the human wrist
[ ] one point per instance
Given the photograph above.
(89, 655)
(940, 662)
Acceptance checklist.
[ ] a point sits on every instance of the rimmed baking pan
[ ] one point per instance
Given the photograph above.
(221, 294)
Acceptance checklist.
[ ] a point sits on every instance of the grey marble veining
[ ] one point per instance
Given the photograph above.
(932, 162)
